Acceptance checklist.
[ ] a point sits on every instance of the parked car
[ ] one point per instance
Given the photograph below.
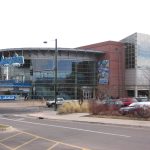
(51, 102)
(128, 101)
(115, 102)
(133, 107)
(141, 104)
(142, 99)
(127, 110)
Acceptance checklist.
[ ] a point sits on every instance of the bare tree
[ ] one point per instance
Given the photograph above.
(146, 74)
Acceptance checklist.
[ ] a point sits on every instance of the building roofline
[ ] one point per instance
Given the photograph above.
(50, 49)
(134, 34)
(100, 44)
(129, 36)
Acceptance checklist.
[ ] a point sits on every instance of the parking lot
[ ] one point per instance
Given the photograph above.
(20, 140)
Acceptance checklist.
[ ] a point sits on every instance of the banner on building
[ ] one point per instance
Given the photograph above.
(7, 97)
(103, 71)
(11, 60)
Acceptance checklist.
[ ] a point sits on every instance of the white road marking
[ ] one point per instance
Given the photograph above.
(20, 119)
(96, 124)
(64, 127)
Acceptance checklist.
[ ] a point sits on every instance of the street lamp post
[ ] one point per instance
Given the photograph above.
(55, 71)
(55, 83)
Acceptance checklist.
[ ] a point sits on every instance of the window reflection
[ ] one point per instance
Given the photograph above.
(42, 64)
(143, 50)
(71, 74)
(130, 55)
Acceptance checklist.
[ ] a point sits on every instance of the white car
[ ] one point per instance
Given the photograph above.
(140, 104)
(133, 106)
(51, 103)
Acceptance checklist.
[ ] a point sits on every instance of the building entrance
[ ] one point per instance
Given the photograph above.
(87, 92)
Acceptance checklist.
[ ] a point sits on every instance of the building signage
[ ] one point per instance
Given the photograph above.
(13, 83)
(7, 97)
(103, 72)
(11, 60)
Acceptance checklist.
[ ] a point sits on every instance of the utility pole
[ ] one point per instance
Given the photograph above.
(55, 72)
(55, 80)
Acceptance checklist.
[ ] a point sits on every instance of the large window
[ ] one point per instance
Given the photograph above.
(71, 75)
(143, 55)
(130, 55)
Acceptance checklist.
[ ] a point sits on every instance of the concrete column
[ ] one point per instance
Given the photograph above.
(136, 92)
(7, 72)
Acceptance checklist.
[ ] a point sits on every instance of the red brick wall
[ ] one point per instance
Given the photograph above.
(114, 52)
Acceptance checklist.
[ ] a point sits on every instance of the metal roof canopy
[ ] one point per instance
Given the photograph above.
(52, 49)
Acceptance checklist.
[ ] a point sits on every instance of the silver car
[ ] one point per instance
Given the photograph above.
(51, 103)
(133, 107)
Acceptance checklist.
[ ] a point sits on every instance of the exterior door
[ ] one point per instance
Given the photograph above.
(87, 93)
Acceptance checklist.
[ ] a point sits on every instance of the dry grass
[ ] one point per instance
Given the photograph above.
(3, 127)
(73, 107)
(22, 103)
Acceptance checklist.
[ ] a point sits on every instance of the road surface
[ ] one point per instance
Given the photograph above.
(70, 135)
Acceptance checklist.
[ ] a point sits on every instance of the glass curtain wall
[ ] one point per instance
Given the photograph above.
(74, 71)
(71, 76)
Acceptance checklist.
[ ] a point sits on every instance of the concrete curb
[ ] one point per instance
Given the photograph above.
(101, 122)
(106, 121)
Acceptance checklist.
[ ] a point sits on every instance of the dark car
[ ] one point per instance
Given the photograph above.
(127, 110)
(115, 102)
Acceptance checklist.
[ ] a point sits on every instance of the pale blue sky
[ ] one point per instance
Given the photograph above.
(27, 23)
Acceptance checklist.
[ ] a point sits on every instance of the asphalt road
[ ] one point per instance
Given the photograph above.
(69, 135)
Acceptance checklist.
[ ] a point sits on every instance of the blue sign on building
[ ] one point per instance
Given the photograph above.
(11, 60)
(13, 83)
(103, 72)
(7, 97)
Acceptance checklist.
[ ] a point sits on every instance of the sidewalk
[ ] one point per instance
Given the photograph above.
(83, 117)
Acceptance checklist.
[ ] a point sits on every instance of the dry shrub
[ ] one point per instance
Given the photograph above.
(73, 107)
(85, 106)
(142, 112)
(97, 108)
(62, 110)
(76, 107)
(94, 107)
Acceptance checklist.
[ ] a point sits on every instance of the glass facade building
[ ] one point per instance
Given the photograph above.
(76, 72)
(115, 69)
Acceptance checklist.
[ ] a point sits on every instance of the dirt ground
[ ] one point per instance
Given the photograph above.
(22, 103)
